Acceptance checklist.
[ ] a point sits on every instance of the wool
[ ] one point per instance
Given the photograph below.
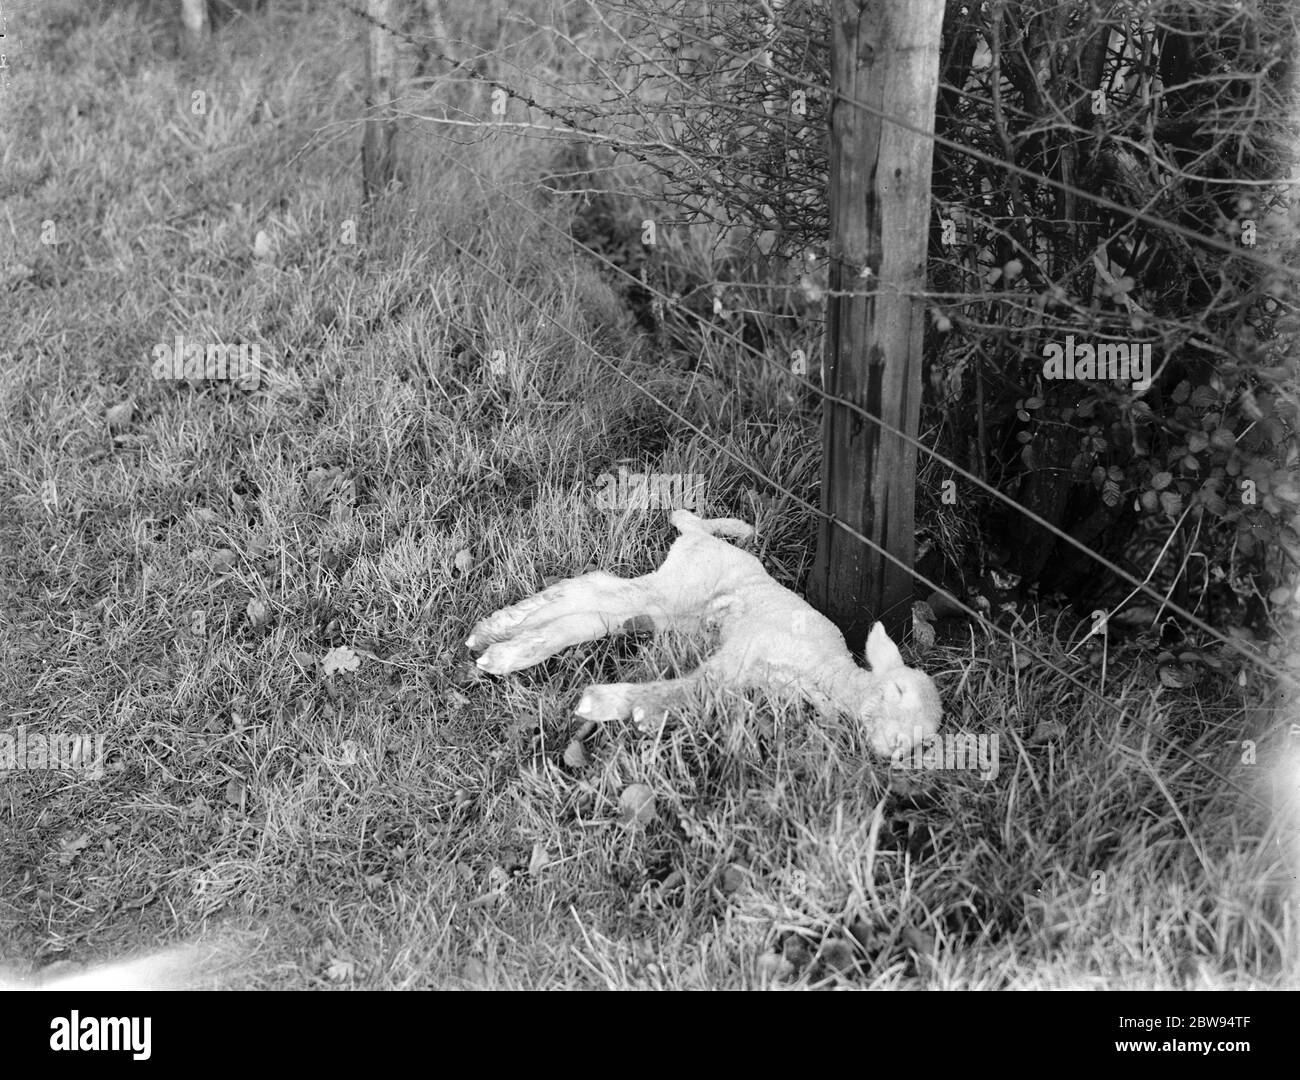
(768, 638)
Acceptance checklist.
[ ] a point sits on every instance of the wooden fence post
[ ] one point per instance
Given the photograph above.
(378, 154)
(885, 55)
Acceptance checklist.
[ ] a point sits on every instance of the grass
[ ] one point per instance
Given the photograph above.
(389, 817)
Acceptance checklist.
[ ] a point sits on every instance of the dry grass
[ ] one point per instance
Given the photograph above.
(411, 823)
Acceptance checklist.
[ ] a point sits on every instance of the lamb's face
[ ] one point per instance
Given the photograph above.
(907, 712)
(908, 708)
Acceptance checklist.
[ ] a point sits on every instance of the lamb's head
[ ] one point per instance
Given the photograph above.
(905, 707)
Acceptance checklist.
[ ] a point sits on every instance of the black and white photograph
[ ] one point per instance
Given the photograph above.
(650, 495)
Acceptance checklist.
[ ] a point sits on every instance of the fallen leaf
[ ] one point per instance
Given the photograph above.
(340, 969)
(263, 246)
(257, 612)
(837, 956)
(1047, 729)
(538, 861)
(774, 966)
(637, 803)
(69, 849)
(574, 755)
(119, 416)
(1178, 676)
(463, 560)
(340, 658)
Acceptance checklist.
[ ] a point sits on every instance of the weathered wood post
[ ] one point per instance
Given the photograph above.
(884, 55)
(378, 154)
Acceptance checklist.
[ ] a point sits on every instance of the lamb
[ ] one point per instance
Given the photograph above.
(768, 638)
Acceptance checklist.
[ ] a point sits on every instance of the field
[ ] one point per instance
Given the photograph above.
(258, 597)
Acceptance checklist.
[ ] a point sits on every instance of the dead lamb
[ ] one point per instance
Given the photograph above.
(768, 638)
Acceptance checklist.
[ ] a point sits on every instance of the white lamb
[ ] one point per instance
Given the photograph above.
(768, 637)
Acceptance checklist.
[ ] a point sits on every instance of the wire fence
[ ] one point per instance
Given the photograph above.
(580, 120)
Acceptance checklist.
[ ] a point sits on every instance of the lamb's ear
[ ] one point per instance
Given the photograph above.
(882, 653)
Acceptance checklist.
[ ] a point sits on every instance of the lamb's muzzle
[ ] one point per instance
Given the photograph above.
(768, 637)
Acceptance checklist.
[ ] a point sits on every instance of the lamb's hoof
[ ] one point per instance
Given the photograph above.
(648, 720)
(604, 702)
(502, 658)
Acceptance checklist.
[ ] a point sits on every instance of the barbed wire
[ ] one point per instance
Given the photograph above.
(572, 128)
(941, 140)
(577, 338)
(989, 159)
(1230, 642)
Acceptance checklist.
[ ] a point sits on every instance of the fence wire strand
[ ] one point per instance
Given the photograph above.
(571, 127)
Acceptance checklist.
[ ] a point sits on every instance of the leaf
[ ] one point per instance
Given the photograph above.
(1110, 493)
(574, 755)
(1181, 392)
(1223, 439)
(463, 560)
(1197, 441)
(257, 612)
(119, 416)
(1046, 731)
(340, 969)
(837, 956)
(1171, 502)
(236, 791)
(637, 803)
(1203, 397)
(774, 967)
(539, 860)
(69, 849)
(1161, 480)
(1177, 676)
(263, 246)
(340, 658)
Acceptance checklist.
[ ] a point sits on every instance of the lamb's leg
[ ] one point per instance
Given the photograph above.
(578, 609)
(644, 703)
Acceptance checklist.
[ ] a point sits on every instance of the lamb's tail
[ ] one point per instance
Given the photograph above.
(685, 521)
